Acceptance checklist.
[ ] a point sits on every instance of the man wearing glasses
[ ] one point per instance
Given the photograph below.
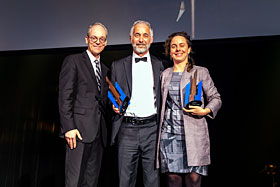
(82, 96)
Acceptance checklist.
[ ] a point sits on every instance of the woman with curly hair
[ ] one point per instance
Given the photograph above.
(183, 151)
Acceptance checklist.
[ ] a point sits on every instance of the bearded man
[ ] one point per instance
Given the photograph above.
(135, 131)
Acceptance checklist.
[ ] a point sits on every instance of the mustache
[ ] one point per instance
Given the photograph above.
(141, 44)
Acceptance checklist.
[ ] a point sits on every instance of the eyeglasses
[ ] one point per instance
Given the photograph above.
(94, 39)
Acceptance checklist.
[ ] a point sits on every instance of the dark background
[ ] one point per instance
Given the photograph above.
(244, 136)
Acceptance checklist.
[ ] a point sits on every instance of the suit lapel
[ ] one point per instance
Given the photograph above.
(128, 72)
(88, 64)
(103, 77)
(156, 72)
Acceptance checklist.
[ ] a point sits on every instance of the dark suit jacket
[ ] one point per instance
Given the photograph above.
(122, 74)
(80, 104)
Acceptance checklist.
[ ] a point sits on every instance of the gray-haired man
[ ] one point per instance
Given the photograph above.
(82, 95)
(135, 132)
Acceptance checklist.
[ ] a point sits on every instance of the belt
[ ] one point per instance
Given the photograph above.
(140, 120)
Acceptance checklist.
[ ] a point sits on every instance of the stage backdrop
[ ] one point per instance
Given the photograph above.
(37, 24)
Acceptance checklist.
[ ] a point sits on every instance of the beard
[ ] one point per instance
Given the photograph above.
(141, 50)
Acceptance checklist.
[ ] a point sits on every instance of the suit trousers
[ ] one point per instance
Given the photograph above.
(137, 142)
(82, 164)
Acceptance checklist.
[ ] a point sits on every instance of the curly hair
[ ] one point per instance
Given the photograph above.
(189, 42)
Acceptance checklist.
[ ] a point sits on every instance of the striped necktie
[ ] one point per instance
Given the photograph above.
(98, 74)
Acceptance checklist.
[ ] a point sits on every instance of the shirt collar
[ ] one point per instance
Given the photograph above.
(134, 55)
(91, 57)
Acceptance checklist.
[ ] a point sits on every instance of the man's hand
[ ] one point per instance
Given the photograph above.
(70, 137)
(197, 110)
(116, 110)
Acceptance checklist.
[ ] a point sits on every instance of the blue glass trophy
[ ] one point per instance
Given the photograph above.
(193, 93)
(117, 96)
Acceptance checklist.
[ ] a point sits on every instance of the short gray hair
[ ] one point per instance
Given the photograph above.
(94, 24)
(141, 22)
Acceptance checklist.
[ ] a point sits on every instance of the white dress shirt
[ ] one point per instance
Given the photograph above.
(92, 59)
(142, 101)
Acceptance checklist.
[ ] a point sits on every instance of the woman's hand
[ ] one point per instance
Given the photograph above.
(197, 110)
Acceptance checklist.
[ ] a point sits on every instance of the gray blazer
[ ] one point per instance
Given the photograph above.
(196, 128)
